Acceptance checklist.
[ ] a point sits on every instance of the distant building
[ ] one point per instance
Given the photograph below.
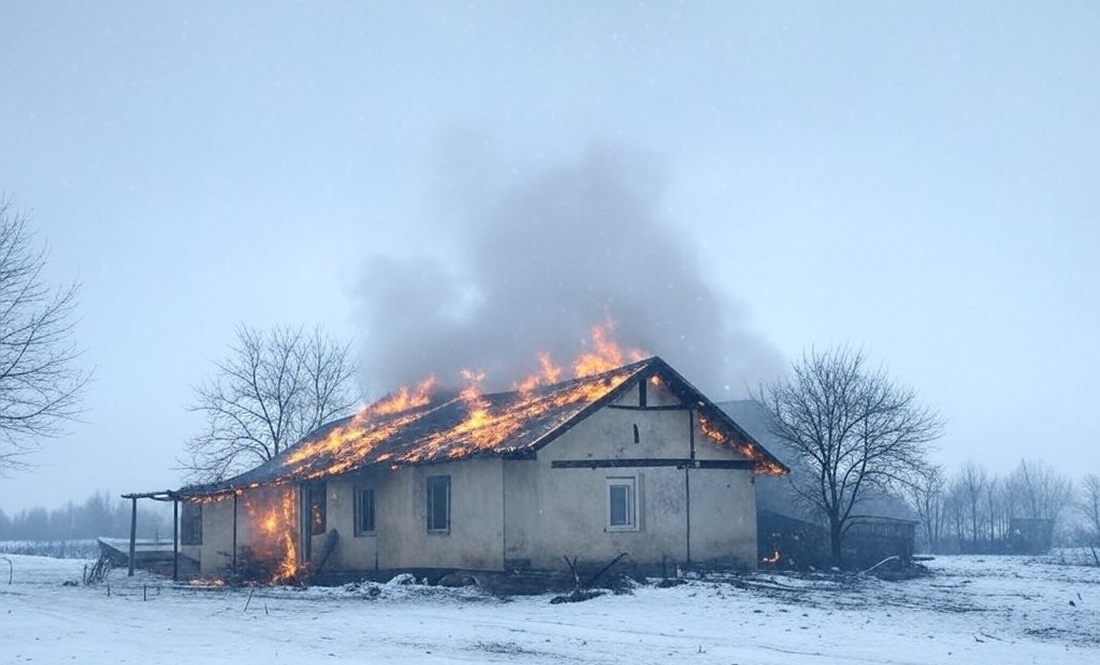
(1030, 535)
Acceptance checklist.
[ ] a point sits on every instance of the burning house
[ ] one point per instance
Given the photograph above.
(629, 459)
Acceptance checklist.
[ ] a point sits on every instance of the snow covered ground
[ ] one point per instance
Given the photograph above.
(973, 610)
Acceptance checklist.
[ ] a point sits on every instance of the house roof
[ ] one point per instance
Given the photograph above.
(454, 426)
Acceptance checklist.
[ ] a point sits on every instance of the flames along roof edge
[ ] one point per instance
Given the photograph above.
(274, 471)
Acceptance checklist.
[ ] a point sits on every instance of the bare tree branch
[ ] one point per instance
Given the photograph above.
(1040, 491)
(1089, 507)
(41, 384)
(275, 387)
(926, 495)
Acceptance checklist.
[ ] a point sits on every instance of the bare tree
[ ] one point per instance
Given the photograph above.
(993, 514)
(1040, 492)
(972, 482)
(954, 506)
(854, 427)
(1009, 506)
(927, 498)
(41, 384)
(275, 388)
(1089, 507)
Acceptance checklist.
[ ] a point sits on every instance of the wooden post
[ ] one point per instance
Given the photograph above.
(133, 533)
(234, 529)
(175, 540)
(687, 513)
(687, 485)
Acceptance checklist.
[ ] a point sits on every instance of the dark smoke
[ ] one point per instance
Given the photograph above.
(537, 265)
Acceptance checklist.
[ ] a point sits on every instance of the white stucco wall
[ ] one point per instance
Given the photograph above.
(551, 512)
(401, 538)
(215, 552)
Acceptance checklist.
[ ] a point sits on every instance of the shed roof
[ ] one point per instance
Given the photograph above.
(451, 426)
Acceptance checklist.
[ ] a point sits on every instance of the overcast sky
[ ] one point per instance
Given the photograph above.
(918, 179)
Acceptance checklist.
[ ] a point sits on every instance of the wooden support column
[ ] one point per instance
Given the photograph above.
(133, 533)
(687, 482)
(687, 512)
(175, 540)
(234, 530)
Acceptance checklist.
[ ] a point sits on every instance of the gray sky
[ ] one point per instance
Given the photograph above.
(916, 178)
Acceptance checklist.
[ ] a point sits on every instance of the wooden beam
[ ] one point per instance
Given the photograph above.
(687, 512)
(234, 530)
(163, 495)
(175, 540)
(627, 462)
(687, 485)
(657, 407)
(133, 533)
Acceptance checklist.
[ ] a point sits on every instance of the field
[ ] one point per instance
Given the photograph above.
(970, 610)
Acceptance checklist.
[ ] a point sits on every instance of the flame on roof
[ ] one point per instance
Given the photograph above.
(415, 426)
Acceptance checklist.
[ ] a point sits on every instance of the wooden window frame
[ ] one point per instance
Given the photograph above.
(191, 523)
(617, 483)
(431, 485)
(360, 492)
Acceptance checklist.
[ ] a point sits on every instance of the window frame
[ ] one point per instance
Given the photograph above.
(317, 503)
(432, 484)
(191, 523)
(360, 492)
(633, 523)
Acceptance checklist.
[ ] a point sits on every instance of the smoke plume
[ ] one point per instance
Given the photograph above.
(535, 264)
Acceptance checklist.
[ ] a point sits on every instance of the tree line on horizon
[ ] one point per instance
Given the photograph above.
(973, 510)
(98, 515)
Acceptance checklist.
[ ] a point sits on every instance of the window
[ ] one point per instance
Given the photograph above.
(191, 524)
(364, 511)
(316, 503)
(439, 503)
(622, 501)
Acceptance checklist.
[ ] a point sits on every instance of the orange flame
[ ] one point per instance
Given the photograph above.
(606, 356)
(548, 374)
(274, 522)
(772, 558)
(762, 466)
(404, 399)
(471, 394)
(477, 408)
(288, 567)
(210, 499)
(485, 427)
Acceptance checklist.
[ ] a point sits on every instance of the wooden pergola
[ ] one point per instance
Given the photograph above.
(165, 495)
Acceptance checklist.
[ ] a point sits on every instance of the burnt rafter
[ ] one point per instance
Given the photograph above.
(511, 425)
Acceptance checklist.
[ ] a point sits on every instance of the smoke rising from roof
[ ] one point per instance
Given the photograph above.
(535, 264)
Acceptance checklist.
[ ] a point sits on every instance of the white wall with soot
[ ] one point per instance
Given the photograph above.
(551, 512)
(401, 538)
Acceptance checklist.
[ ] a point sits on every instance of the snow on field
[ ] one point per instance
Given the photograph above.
(972, 610)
